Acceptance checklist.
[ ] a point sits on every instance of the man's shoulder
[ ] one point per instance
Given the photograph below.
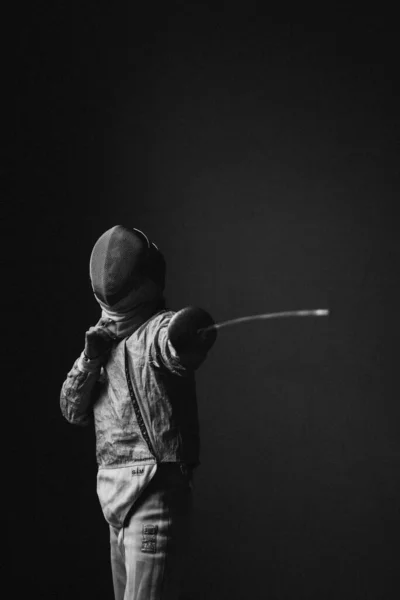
(156, 321)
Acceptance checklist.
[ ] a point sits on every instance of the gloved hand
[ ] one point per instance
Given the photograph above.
(99, 339)
(184, 334)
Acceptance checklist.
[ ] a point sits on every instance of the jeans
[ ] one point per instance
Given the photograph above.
(147, 553)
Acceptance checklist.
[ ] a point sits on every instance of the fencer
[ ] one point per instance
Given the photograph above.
(135, 381)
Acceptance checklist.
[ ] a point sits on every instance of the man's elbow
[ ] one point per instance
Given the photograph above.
(74, 416)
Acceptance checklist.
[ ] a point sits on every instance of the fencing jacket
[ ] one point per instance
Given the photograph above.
(144, 408)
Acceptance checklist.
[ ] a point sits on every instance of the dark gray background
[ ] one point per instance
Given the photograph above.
(260, 154)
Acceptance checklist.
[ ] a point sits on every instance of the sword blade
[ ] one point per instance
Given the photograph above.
(317, 312)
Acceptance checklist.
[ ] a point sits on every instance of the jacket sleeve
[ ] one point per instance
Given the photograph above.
(164, 355)
(79, 392)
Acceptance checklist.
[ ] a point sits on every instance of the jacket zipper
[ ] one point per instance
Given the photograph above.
(136, 407)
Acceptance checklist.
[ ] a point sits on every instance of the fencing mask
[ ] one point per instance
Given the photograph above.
(127, 271)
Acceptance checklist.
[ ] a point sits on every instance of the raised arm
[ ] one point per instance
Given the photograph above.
(179, 345)
(78, 390)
